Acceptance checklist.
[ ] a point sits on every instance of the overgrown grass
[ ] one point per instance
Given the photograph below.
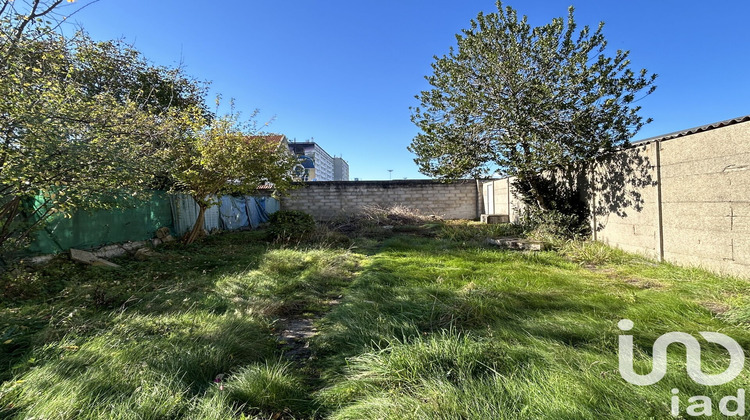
(291, 282)
(463, 230)
(424, 321)
(187, 334)
(450, 329)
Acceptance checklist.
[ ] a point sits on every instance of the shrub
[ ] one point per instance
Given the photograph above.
(552, 226)
(273, 388)
(290, 225)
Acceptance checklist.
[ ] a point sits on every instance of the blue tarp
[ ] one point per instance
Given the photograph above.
(232, 212)
(269, 204)
(242, 212)
(255, 210)
(185, 212)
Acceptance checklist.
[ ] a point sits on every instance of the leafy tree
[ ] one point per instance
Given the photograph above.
(526, 101)
(115, 68)
(82, 124)
(227, 157)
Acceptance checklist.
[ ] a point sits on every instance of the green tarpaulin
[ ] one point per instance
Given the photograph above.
(86, 230)
(178, 212)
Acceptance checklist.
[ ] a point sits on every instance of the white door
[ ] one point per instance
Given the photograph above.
(489, 198)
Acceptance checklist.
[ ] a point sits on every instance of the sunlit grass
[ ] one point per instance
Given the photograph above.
(425, 323)
(436, 329)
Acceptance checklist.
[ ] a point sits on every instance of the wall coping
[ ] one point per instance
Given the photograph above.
(394, 182)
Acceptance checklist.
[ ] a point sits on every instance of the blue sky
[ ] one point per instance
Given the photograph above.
(345, 72)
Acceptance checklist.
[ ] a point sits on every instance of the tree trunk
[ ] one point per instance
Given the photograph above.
(8, 214)
(535, 193)
(197, 230)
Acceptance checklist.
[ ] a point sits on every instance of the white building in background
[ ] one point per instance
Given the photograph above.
(340, 169)
(318, 164)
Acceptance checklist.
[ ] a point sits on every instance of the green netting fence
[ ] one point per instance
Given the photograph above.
(90, 229)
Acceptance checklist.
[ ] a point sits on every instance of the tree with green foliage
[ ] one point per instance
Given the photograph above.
(525, 101)
(82, 123)
(228, 156)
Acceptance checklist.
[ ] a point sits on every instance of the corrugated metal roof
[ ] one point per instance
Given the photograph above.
(694, 130)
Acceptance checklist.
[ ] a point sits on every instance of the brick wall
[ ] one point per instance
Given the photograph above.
(326, 200)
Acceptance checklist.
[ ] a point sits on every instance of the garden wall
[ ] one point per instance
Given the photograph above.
(697, 211)
(683, 198)
(325, 200)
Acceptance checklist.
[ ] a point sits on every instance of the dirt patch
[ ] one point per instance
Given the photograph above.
(597, 269)
(716, 308)
(294, 337)
(644, 283)
(294, 334)
(611, 273)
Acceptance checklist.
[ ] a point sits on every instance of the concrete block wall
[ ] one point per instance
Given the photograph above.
(502, 196)
(697, 212)
(625, 202)
(706, 199)
(326, 200)
(683, 199)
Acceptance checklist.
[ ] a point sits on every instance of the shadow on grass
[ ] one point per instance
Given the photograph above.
(445, 328)
(549, 325)
(158, 338)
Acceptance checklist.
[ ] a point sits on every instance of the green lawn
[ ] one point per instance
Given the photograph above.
(414, 322)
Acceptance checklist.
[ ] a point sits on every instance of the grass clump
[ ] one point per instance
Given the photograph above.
(463, 231)
(393, 216)
(406, 364)
(381, 222)
(271, 388)
(593, 253)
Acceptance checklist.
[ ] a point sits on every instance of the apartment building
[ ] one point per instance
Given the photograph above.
(319, 164)
(340, 169)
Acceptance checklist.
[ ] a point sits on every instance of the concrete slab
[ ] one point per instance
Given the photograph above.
(89, 258)
(518, 244)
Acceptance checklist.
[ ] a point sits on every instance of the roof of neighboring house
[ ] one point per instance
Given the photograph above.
(695, 130)
(273, 138)
(276, 139)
